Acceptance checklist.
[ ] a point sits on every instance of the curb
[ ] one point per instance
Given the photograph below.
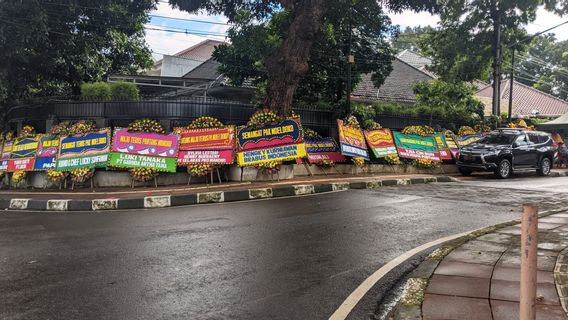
(206, 197)
(559, 174)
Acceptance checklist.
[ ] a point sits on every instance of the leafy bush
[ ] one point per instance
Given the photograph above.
(363, 112)
(388, 107)
(124, 91)
(96, 91)
(423, 111)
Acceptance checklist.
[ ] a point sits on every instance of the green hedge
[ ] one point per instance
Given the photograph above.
(116, 91)
(96, 91)
(124, 91)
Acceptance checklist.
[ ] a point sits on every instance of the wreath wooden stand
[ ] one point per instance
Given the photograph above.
(133, 182)
(90, 180)
(212, 179)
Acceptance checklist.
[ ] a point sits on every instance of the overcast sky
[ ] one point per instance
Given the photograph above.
(171, 37)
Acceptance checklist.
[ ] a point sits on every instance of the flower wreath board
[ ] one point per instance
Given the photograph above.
(381, 142)
(352, 141)
(22, 157)
(466, 139)
(279, 142)
(47, 152)
(5, 156)
(323, 149)
(445, 152)
(88, 150)
(144, 150)
(416, 147)
(206, 145)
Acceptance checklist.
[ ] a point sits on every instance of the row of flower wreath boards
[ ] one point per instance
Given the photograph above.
(153, 132)
(266, 132)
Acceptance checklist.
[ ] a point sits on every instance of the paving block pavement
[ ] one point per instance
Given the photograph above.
(478, 277)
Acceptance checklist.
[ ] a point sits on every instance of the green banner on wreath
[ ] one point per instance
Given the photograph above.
(124, 160)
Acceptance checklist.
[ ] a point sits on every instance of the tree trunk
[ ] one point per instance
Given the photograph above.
(289, 64)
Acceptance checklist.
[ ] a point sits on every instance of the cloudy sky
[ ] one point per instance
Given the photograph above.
(166, 35)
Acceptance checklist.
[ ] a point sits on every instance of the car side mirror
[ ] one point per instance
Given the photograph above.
(515, 145)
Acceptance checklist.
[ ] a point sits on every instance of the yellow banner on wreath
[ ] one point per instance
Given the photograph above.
(283, 153)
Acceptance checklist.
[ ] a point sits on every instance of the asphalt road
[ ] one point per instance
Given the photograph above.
(293, 258)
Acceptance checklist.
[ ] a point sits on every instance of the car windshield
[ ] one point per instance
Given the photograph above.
(498, 139)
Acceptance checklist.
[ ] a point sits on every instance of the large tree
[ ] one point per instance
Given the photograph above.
(325, 82)
(50, 47)
(288, 61)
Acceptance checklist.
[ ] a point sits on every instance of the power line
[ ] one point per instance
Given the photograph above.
(190, 20)
(537, 34)
(193, 32)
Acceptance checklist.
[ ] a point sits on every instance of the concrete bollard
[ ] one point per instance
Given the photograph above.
(529, 232)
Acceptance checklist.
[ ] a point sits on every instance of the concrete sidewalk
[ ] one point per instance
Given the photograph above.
(479, 279)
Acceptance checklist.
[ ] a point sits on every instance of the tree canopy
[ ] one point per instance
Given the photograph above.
(410, 38)
(463, 46)
(299, 38)
(544, 66)
(448, 99)
(51, 47)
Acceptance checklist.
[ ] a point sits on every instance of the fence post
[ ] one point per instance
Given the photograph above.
(529, 232)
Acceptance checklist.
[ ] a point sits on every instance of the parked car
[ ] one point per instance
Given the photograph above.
(505, 151)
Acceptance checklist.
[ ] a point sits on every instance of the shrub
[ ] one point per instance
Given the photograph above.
(363, 112)
(423, 111)
(95, 91)
(388, 107)
(124, 91)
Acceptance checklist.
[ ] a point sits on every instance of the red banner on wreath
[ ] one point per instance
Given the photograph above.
(206, 145)
(207, 138)
(26, 164)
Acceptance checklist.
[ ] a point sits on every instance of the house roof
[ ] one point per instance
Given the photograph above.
(479, 84)
(397, 87)
(208, 70)
(414, 59)
(201, 51)
(526, 100)
(561, 121)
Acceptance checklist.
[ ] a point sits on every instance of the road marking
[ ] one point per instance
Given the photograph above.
(347, 306)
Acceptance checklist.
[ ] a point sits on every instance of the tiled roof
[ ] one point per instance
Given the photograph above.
(479, 84)
(414, 59)
(526, 100)
(397, 87)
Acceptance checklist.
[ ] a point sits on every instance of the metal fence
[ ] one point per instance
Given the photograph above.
(180, 112)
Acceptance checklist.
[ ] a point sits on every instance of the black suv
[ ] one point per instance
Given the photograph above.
(505, 151)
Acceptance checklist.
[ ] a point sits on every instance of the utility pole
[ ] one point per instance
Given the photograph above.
(497, 63)
(511, 80)
(350, 60)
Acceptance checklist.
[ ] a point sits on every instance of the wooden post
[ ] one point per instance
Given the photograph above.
(529, 232)
(219, 175)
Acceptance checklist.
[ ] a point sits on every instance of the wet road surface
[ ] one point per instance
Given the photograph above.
(292, 258)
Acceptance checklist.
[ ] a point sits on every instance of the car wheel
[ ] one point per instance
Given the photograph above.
(465, 171)
(503, 170)
(545, 167)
